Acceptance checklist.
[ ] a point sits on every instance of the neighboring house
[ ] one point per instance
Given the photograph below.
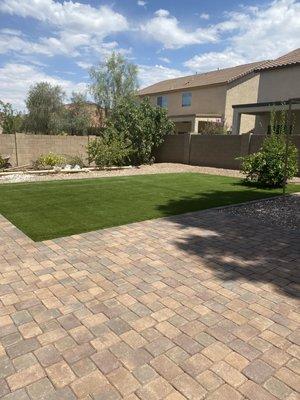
(251, 101)
(230, 95)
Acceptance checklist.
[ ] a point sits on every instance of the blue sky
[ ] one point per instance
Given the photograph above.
(59, 41)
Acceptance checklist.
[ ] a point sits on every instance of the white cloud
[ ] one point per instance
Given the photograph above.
(165, 28)
(16, 44)
(8, 31)
(149, 74)
(268, 32)
(162, 13)
(84, 65)
(204, 16)
(79, 27)
(214, 60)
(76, 17)
(16, 79)
(255, 33)
(164, 59)
(141, 3)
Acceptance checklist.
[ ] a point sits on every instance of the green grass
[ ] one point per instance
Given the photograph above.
(48, 210)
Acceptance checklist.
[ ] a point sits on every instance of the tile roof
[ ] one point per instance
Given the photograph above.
(208, 78)
(290, 58)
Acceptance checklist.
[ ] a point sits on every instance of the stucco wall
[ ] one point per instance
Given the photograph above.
(7, 147)
(215, 150)
(242, 91)
(205, 100)
(212, 150)
(175, 148)
(30, 147)
(279, 84)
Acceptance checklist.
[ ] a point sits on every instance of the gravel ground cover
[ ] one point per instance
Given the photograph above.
(279, 211)
(162, 168)
(158, 168)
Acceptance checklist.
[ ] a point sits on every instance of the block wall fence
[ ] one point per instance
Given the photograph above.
(207, 150)
(219, 151)
(24, 149)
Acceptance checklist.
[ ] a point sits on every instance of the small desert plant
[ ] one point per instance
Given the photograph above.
(2, 163)
(75, 160)
(50, 160)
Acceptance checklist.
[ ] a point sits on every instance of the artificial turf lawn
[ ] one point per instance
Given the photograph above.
(47, 210)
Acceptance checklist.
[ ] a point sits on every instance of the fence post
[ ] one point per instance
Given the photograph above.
(187, 148)
(16, 150)
(88, 143)
(245, 144)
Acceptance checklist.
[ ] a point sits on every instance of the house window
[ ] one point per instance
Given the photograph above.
(162, 101)
(186, 99)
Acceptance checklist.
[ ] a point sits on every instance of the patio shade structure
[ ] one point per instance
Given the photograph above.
(288, 131)
(259, 109)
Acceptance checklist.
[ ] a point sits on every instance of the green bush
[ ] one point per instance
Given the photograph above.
(50, 160)
(2, 162)
(142, 125)
(213, 128)
(107, 151)
(75, 160)
(266, 167)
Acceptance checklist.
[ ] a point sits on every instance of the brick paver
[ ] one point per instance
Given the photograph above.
(197, 306)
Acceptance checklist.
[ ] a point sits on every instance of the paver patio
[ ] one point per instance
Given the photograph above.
(201, 305)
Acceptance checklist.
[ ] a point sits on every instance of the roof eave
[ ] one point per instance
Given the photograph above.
(271, 67)
(184, 89)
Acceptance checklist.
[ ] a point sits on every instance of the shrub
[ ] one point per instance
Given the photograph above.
(107, 151)
(2, 163)
(142, 125)
(50, 160)
(75, 160)
(266, 167)
(213, 128)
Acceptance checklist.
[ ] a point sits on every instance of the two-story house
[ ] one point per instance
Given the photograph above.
(241, 97)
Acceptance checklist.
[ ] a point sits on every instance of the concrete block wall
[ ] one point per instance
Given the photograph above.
(174, 149)
(8, 147)
(24, 149)
(219, 151)
(207, 150)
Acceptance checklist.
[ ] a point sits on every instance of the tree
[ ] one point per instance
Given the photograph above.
(10, 121)
(45, 104)
(77, 117)
(112, 80)
(142, 125)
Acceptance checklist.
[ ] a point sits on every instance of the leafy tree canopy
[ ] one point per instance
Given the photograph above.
(112, 80)
(77, 116)
(45, 104)
(142, 125)
(10, 121)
